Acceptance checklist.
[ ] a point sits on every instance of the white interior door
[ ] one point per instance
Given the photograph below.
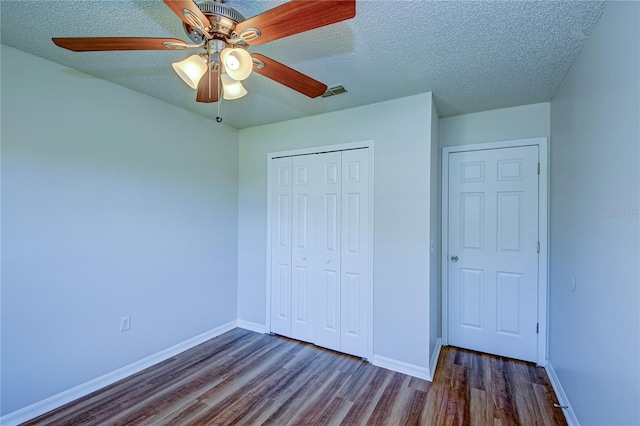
(281, 246)
(493, 251)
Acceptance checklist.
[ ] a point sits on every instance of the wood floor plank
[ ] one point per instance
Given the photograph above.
(325, 404)
(386, 402)
(479, 406)
(245, 378)
(418, 401)
(400, 409)
(365, 402)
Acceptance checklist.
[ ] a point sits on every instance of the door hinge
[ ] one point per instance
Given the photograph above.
(538, 246)
(538, 168)
(537, 327)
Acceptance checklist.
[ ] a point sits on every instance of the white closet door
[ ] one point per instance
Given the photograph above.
(355, 245)
(303, 259)
(328, 242)
(281, 246)
(320, 245)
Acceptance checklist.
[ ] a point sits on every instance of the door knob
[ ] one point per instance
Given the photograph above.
(454, 258)
(304, 257)
(327, 261)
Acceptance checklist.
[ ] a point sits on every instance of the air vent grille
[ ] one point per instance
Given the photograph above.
(334, 90)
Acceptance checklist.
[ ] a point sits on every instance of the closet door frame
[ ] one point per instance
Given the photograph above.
(369, 144)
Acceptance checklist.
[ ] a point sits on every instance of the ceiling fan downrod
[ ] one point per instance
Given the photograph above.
(222, 22)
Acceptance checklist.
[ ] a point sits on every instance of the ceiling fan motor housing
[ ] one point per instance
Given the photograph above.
(223, 21)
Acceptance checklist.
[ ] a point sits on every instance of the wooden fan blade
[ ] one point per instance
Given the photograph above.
(289, 77)
(189, 12)
(208, 89)
(96, 44)
(295, 17)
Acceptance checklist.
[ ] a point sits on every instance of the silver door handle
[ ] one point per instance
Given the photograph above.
(454, 258)
(304, 257)
(327, 261)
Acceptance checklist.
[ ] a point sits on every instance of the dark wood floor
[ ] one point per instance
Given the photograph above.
(247, 378)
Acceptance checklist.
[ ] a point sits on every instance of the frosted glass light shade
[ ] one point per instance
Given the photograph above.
(231, 88)
(237, 63)
(191, 70)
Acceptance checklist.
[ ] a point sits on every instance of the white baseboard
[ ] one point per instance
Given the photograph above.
(434, 359)
(252, 326)
(568, 412)
(425, 373)
(36, 409)
(402, 367)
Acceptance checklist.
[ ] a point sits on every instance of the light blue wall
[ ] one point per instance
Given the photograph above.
(435, 226)
(401, 131)
(595, 184)
(113, 204)
(521, 122)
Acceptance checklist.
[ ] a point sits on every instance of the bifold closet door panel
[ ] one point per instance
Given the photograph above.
(281, 246)
(303, 258)
(355, 246)
(327, 303)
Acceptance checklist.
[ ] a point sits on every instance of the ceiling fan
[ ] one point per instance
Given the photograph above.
(223, 37)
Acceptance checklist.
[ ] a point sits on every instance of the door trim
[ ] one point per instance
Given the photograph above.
(369, 144)
(543, 233)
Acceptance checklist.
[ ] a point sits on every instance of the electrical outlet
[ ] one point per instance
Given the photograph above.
(125, 323)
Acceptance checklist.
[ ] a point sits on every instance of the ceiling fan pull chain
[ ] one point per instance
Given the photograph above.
(218, 118)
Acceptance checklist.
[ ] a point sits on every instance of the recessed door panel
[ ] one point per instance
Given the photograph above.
(472, 171)
(327, 333)
(301, 174)
(472, 210)
(302, 225)
(300, 295)
(509, 303)
(332, 222)
(510, 221)
(330, 312)
(352, 304)
(511, 169)
(283, 172)
(352, 169)
(353, 222)
(282, 223)
(471, 302)
(282, 292)
(331, 171)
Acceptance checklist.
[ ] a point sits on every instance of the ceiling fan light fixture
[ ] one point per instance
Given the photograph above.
(237, 62)
(225, 35)
(191, 70)
(232, 89)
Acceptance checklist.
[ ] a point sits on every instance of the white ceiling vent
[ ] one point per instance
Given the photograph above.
(334, 90)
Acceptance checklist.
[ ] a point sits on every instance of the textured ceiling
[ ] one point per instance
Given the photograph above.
(473, 55)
